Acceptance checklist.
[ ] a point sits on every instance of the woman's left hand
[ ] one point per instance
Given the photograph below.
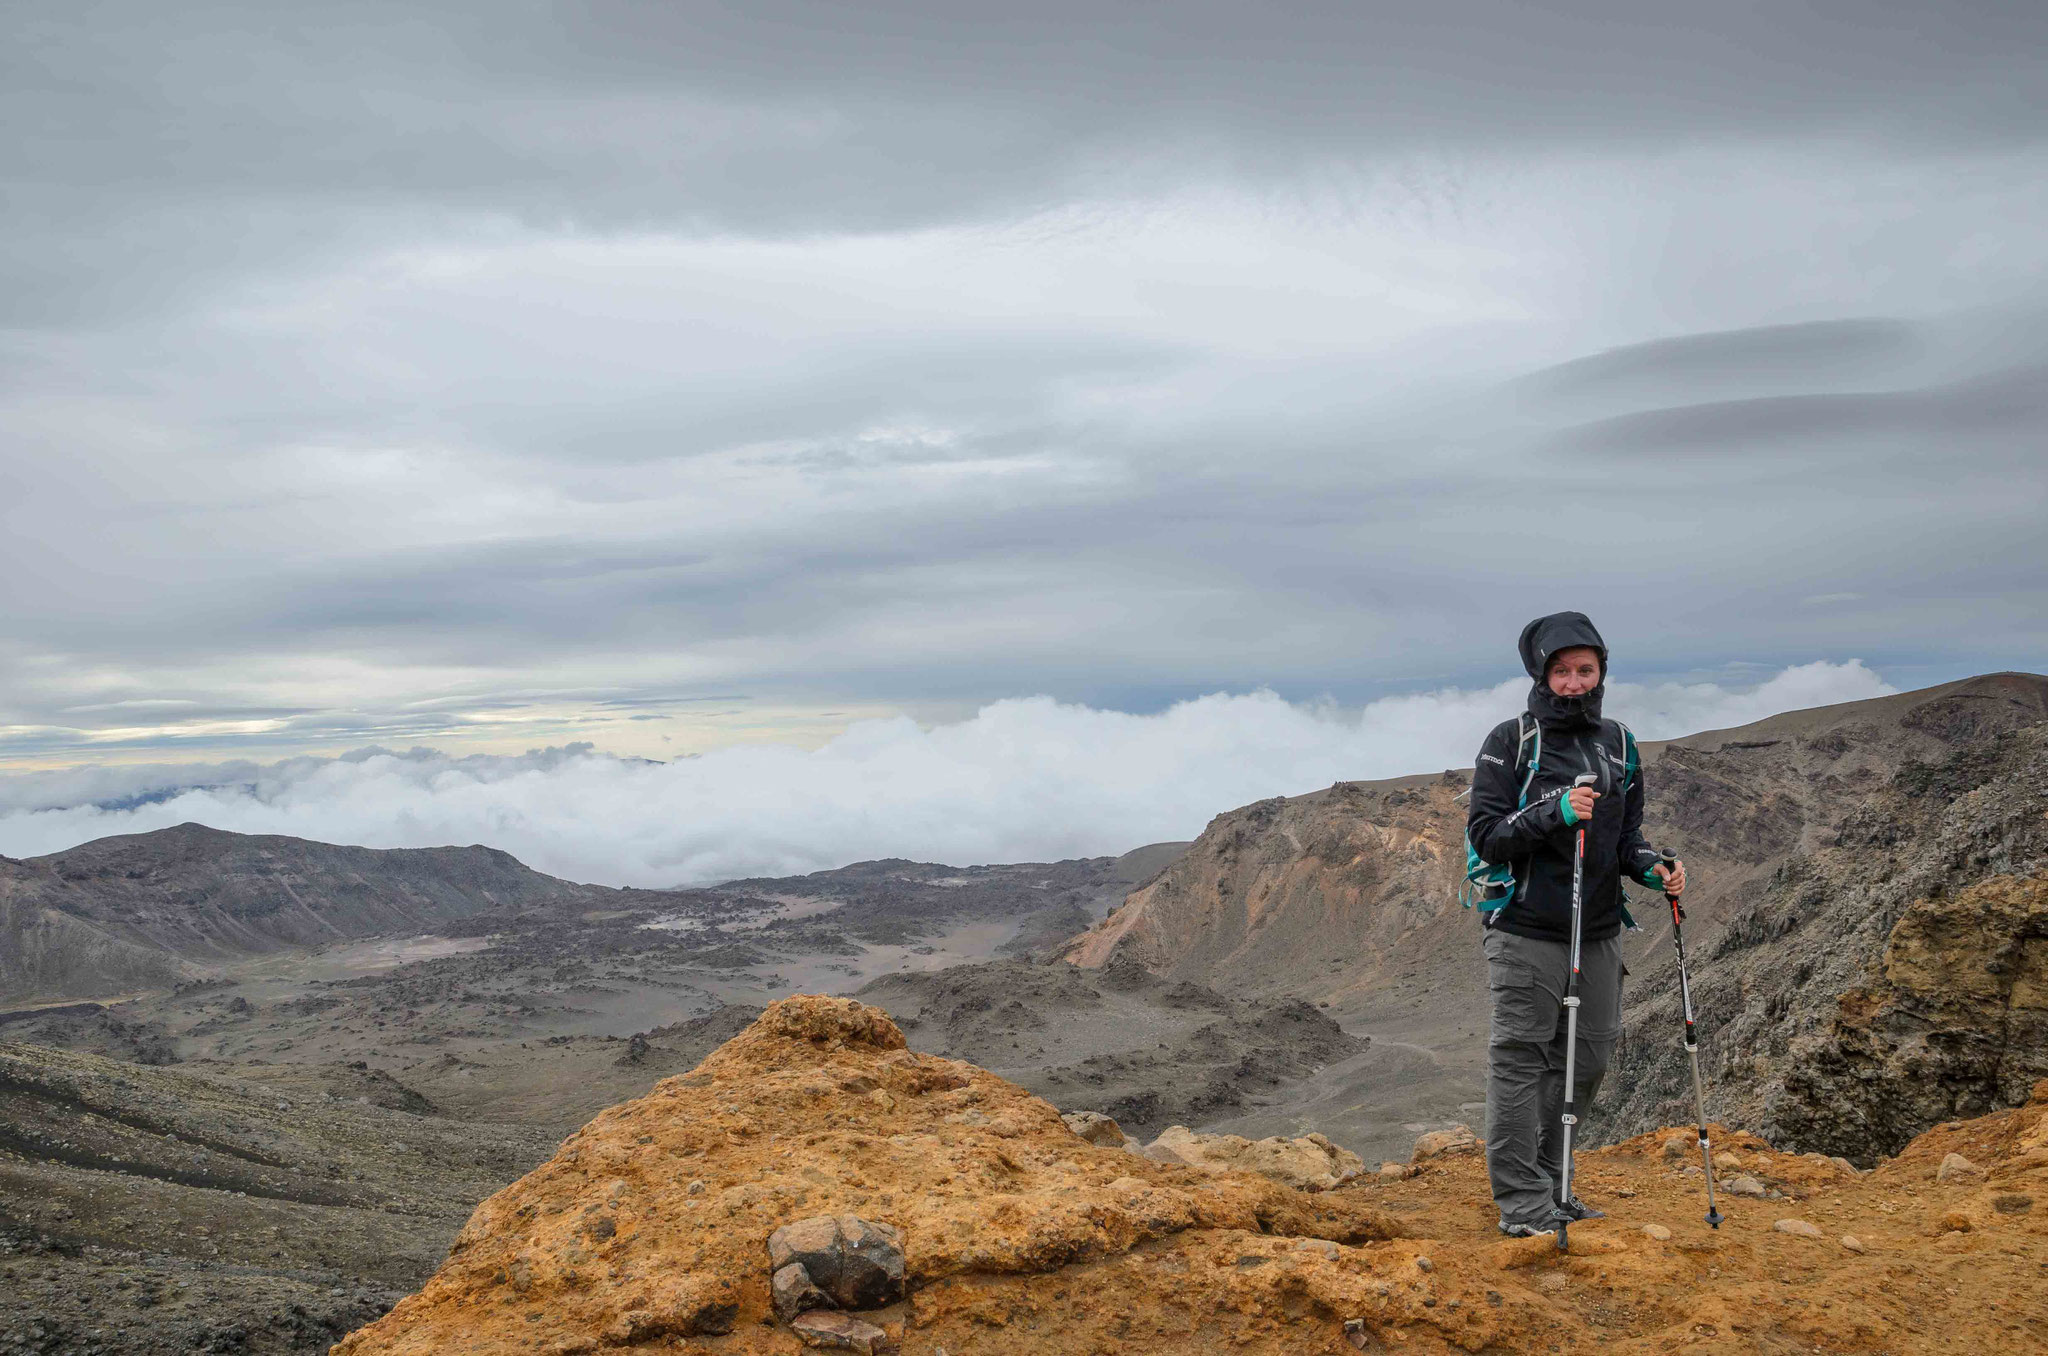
(1673, 877)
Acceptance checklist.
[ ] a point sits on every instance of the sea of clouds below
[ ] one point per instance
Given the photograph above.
(1023, 779)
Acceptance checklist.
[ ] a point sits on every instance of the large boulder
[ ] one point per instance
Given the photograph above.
(1095, 1127)
(855, 1261)
(1310, 1163)
(1459, 1139)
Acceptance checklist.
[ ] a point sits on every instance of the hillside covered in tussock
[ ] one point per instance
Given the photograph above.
(984, 1224)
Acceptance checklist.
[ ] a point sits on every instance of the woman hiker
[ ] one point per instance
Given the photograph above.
(1521, 832)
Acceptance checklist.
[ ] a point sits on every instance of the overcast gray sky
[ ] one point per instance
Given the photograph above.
(668, 376)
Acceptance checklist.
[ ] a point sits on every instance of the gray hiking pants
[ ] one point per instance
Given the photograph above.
(1525, 1060)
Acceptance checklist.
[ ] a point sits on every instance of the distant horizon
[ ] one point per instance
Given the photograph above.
(810, 729)
(416, 752)
(254, 753)
(1020, 780)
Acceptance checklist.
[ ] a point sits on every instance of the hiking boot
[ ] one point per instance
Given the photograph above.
(1576, 1210)
(1529, 1229)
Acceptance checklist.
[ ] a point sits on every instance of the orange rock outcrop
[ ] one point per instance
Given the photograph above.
(648, 1232)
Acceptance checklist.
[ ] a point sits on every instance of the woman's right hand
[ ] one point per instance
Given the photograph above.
(1582, 798)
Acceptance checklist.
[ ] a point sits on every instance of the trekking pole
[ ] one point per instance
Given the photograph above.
(1692, 1045)
(1571, 1029)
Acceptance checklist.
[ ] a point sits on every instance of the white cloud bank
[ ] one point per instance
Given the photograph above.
(1025, 779)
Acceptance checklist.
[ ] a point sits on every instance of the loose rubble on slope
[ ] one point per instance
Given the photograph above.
(158, 1212)
(653, 1230)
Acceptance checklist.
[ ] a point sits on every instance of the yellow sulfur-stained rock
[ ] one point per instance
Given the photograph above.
(1459, 1139)
(1310, 1163)
(1020, 1238)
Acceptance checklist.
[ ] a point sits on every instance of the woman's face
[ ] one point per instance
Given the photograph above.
(1574, 672)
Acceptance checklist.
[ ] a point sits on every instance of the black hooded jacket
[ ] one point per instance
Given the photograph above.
(1534, 838)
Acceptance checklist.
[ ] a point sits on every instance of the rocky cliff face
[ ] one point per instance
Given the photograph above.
(1311, 895)
(814, 1162)
(140, 909)
(1808, 835)
(1955, 1024)
(1886, 977)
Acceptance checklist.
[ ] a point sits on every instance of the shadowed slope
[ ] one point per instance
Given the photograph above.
(142, 909)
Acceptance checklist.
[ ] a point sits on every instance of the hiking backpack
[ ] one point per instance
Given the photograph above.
(1491, 886)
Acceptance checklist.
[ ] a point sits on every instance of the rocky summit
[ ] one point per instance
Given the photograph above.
(967, 1216)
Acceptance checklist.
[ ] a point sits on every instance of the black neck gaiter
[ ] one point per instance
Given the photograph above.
(1566, 713)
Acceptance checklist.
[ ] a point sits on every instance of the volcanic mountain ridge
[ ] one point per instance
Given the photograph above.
(140, 911)
(1812, 838)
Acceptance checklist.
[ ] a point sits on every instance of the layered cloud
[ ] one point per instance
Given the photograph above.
(1028, 779)
(671, 377)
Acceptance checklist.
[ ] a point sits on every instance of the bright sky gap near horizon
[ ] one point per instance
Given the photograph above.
(887, 381)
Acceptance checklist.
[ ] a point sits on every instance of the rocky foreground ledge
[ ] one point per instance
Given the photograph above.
(815, 1183)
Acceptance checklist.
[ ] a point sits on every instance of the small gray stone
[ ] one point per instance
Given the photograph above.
(794, 1293)
(857, 1262)
(841, 1332)
(793, 1241)
(1094, 1127)
(1745, 1186)
(1956, 1168)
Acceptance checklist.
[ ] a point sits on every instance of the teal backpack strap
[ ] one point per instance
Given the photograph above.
(1488, 885)
(1631, 761)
